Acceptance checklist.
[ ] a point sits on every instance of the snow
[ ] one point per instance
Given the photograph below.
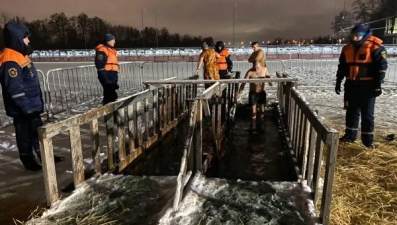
(147, 200)
(220, 201)
(215, 201)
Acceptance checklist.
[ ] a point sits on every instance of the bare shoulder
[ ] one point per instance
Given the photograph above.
(251, 74)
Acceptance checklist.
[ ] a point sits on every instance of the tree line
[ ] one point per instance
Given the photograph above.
(83, 32)
(372, 12)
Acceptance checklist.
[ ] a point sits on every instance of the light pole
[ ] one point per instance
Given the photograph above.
(157, 30)
(143, 29)
(234, 34)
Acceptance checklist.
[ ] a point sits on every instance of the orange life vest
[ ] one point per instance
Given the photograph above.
(111, 53)
(14, 56)
(360, 61)
(221, 61)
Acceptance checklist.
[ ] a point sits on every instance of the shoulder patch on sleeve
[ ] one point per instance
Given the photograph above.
(12, 72)
(383, 54)
(100, 57)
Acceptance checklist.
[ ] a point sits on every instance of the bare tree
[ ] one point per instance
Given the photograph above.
(361, 11)
(83, 27)
(58, 24)
(343, 22)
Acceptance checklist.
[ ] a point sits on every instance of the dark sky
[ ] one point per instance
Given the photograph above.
(258, 20)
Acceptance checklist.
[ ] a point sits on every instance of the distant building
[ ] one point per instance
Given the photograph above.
(390, 31)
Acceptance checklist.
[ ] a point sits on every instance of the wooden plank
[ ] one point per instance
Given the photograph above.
(206, 107)
(219, 119)
(184, 97)
(311, 154)
(139, 123)
(169, 105)
(311, 116)
(109, 121)
(120, 118)
(146, 119)
(76, 152)
(131, 128)
(326, 199)
(295, 129)
(53, 129)
(96, 151)
(174, 102)
(210, 123)
(187, 146)
(161, 110)
(306, 144)
(49, 172)
(301, 138)
(136, 152)
(317, 166)
(199, 138)
(155, 112)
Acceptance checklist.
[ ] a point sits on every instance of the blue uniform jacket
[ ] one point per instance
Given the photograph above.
(105, 77)
(20, 83)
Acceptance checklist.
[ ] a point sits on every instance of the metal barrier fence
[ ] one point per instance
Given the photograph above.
(56, 55)
(182, 70)
(65, 88)
(68, 87)
(318, 71)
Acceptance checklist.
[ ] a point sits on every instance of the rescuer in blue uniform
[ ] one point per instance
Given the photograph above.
(106, 63)
(363, 63)
(22, 93)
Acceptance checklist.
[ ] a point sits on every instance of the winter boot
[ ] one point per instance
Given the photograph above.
(30, 163)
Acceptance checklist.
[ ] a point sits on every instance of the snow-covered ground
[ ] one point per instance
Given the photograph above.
(270, 49)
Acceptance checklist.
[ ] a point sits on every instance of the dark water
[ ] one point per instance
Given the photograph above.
(164, 159)
(253, 150)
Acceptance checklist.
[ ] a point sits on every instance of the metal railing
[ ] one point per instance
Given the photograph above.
(56, 55)
(66, 88)
(318, 71)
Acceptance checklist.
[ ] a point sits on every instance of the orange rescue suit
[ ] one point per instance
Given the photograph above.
(221, 61)
(111, 53)
(12, 55)
(359, 61)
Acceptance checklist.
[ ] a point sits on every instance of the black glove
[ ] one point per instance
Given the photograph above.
(337, 87)
(377, 90)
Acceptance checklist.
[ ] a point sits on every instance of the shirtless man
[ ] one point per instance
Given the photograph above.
(257, 94)
(257, 57)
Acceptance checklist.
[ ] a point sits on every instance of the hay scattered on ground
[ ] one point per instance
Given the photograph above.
(365, 183)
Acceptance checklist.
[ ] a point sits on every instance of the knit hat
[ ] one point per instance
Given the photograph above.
(109, 37)
(360, 30)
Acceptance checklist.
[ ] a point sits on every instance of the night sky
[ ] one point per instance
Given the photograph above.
(258, 20)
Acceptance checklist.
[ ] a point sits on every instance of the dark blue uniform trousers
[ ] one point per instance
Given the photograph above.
(27, 136)
(365, 106)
